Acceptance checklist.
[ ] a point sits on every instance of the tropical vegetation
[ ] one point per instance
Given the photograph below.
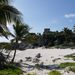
(8, 14)
(20, 32)
(58, 39)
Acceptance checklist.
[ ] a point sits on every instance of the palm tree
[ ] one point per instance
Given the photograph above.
(20, 32)
(4, 33)
(5, 1)
(8, 14)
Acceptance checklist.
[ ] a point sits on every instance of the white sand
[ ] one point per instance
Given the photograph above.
(47, 56)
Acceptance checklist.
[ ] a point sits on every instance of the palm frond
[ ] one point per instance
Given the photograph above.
(4, 1)
(21, 30)
(3, 32)
(9, 14)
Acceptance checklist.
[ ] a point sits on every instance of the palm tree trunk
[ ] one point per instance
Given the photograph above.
(12, 61)
(13, 56)
(8, 55)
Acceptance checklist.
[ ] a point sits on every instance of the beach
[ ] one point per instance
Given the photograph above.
(47, 57)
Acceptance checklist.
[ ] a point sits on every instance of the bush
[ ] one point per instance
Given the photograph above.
(54, 73)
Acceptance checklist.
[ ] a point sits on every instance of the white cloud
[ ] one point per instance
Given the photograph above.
(69, 16)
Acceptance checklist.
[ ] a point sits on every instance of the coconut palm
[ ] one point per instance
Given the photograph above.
(8, 14)
(20, 32)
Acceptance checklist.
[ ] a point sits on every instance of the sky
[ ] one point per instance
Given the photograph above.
(53, 14)
(40, 14)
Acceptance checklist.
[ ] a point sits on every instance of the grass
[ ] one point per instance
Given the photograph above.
(72, 69)
(31, 74)
(10, 70)
(71, 66)
(71, 56)
(54, 73)
(64, 65)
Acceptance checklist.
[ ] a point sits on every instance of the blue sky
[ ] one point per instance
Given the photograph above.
(40, 14)
(53, 14)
